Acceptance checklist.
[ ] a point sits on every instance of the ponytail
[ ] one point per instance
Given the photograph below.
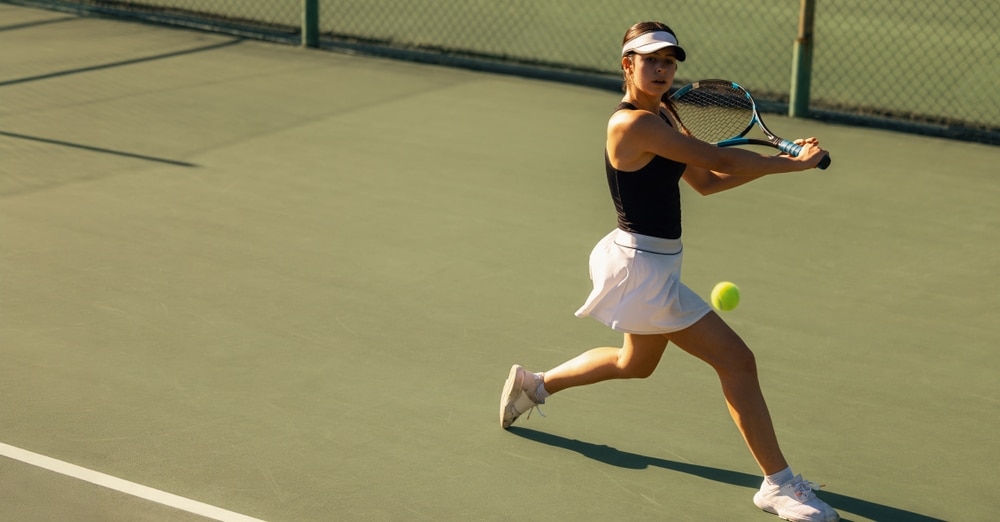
(665, 99)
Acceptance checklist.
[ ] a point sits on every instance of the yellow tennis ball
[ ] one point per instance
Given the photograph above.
(725, 296)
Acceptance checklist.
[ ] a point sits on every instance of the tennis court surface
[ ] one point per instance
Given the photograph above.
(242, 281)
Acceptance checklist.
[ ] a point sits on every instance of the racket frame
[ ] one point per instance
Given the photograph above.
(772, 140)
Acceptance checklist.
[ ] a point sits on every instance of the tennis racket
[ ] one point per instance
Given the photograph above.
(721, 112)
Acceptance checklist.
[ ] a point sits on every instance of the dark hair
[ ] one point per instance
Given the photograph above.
(642, 28)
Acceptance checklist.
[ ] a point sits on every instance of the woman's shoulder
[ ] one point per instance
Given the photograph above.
(624, 120)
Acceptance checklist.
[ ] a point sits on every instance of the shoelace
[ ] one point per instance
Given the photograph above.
(535, 407)
(812, 485)
(804, 488)
(536, 404)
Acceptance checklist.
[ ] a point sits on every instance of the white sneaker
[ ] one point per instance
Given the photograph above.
(795, 501)
(518, 395)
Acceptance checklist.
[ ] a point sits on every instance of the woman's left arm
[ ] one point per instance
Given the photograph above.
(707, 182)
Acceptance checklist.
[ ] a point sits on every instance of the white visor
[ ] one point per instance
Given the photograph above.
(651, 42)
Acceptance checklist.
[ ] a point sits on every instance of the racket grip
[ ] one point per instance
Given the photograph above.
(789, 148)
(793, 150)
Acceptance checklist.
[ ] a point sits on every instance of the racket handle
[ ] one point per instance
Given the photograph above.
(825, 162)
(788, 147)
(793, 150)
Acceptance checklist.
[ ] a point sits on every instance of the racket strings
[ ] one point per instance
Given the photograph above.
(714, 112)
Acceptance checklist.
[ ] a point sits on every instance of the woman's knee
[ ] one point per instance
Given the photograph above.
(740, 362)
(635, 369)
(640, 355)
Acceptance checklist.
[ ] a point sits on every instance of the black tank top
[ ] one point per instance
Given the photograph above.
(648, 200)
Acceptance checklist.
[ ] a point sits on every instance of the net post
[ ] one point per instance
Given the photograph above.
(798, 103)
(310, 23)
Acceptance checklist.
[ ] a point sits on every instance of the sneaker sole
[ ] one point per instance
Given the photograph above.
(510, 387)
(757, 500)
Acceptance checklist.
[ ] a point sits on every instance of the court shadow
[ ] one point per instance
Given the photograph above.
(123, 63)
(101, 150)
(623, 459)
(37, 23)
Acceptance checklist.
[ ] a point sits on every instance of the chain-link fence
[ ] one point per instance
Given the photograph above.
(926, 66)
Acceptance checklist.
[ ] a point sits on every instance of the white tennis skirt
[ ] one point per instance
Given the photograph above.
(637, 285)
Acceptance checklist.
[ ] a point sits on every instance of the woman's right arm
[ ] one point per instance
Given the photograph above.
(641, 132)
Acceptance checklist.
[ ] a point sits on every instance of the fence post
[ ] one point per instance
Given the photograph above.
(310, 23)
(798, 103)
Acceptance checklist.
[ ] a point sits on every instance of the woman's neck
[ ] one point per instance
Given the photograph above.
(643, 102)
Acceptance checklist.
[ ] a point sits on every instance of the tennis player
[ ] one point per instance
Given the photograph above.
(636, 268)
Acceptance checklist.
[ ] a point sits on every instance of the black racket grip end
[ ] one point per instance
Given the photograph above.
(825, 162)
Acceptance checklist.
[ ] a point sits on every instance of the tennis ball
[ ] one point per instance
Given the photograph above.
(725, 296)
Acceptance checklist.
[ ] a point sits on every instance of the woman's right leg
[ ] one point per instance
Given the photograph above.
(790, 497)
(713, 341)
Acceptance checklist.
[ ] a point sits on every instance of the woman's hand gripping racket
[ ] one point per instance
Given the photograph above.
(722, 112)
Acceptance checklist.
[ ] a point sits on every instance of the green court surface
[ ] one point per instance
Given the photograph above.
(288, 284)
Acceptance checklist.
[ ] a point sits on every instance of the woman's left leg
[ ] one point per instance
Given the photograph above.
(524, 390)
(636, 359)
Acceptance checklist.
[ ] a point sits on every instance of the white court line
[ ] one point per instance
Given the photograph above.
(124, 486)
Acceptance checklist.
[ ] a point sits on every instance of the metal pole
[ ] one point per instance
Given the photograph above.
(310, 23)
(798, 103)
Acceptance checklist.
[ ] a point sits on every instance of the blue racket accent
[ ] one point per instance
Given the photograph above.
(785, 146)
(722, 112)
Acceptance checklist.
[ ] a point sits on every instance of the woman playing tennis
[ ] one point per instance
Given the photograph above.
(636, 268)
